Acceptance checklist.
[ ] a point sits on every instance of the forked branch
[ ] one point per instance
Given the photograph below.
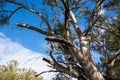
(112, 60)
(94, 16)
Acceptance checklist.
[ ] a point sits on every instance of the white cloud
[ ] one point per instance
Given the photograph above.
(10, 50)
(102, 12)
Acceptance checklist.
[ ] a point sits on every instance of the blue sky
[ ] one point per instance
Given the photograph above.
(27, 38)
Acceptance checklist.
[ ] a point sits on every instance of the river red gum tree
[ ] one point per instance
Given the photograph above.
(78, 61)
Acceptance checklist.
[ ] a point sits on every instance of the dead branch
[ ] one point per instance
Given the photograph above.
(34, 28)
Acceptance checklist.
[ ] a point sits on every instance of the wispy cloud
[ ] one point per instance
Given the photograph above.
(10, 50)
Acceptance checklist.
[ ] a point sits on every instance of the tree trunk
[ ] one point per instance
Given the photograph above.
(86, 61)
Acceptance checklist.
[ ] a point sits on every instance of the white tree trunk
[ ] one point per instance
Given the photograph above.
(88, 65)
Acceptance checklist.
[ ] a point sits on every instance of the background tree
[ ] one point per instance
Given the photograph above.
(108, 43)
(71, 47)
(12, 72)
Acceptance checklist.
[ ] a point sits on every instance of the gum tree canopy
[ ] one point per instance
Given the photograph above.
(70, 44)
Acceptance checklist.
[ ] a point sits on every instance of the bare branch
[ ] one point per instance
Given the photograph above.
(6, 11)
(58, 5)
(34, 28)
(76, 27)
(45, 72)
(61, 68)
(12, 13)
(66, 20)
(94, 16)
(59, 40)
(33, 11)
(116, 54)
(50, 53)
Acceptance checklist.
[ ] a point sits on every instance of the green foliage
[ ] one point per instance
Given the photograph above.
(12, 72)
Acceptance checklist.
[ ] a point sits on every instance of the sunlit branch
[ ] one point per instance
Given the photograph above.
(34, 28)
(75, 25)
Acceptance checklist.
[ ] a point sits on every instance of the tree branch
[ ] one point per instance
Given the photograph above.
(59, 40)
(94, 17)
(45, 72)
(76, 27)
(12, 12)
(33, 11)
(58, 5)
(73, 64)
(66, 20)
(34, 29)
(61, 68)
(116, 54)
